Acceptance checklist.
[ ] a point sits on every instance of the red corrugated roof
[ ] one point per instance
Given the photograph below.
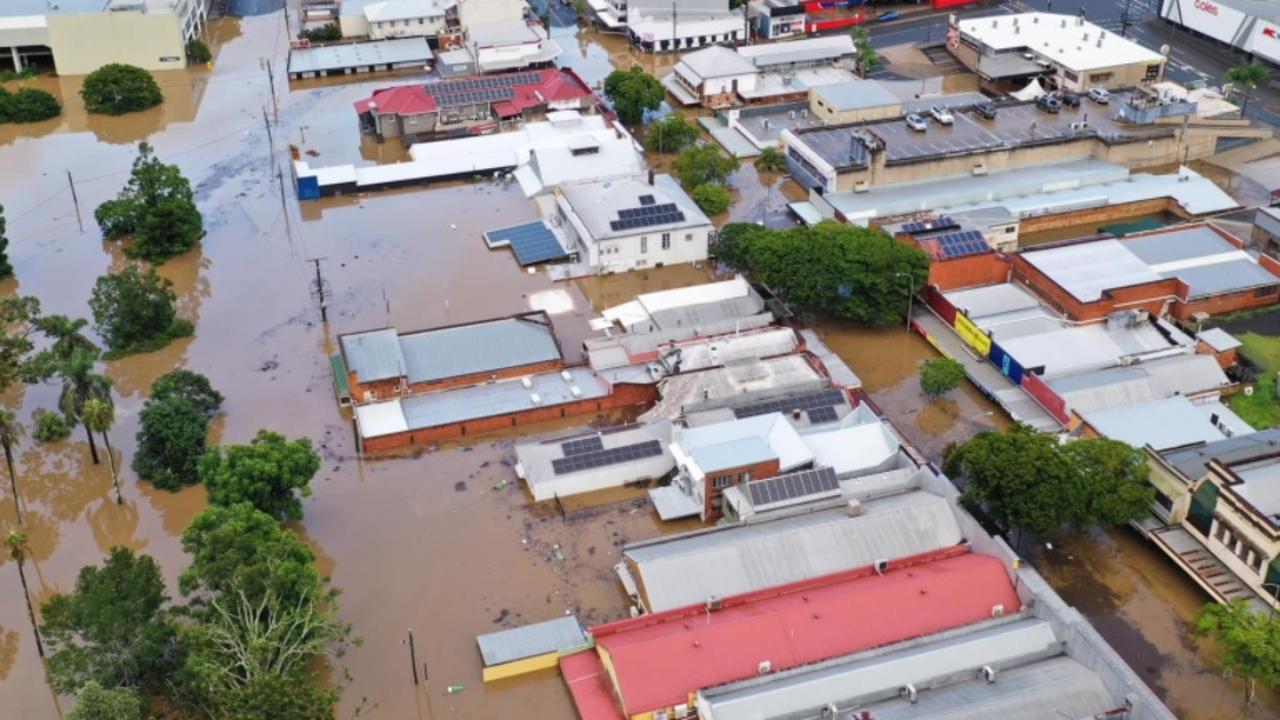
(589, 686)
(660, 659)
(552, 85)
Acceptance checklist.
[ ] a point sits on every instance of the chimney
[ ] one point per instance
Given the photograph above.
(651, 176)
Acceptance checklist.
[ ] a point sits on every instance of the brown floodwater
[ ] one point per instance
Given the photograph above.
(445, 542)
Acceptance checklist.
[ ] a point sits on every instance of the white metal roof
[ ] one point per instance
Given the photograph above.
(1086, 269)
(851, 448)
(392, 10)
(383, 418)
(715, 62)
(1218, 339)
(831, 47)
(693, 446)
(725, 561)
(1167, 423)
(1067, 40)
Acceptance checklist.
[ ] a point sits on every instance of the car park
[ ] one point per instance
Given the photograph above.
(986, 110)
(1102, 96)
(941, 115)
(917, 123)
(1048, 103)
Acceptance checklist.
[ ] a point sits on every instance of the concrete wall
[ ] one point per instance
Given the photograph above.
(353, 26)
(407, 28)
(1154, 297)
(84, 42)
(471, 12)
(832, 116)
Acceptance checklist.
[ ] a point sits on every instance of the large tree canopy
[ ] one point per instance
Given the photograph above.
(117, 89)
(111, 628)
(156, 210)
(633, 93)
(847, 272)
(171, 439)
(134, 310)
(1249, 640)
(94, 702)
(183, 384)
(244, 547)
(270, 473)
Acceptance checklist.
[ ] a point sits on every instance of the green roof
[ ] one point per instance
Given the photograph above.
(340, 375)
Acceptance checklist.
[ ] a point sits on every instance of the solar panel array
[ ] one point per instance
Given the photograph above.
(823, 415)
(647, 216)
(969, 242)
(810, 401)
(584, 445)
(795, 485)
(604, 458)
(938, 223)
(532, 242)
(647, 200)
(480, 90)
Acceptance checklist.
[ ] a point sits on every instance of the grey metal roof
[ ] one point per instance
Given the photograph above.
(717, 61)
(1218, 339)
(477, 348)
(597, 203)
(1177, 244)
(1192, 462)
(1050, 690)
(688, 569)
(849, 681)
(535, 461)
(710, 314)
(398, 51)
(373, 355)
(808, 50)
(1132, 384)
(855, 95)
(1224, 277)
(1166, 423)
(500, 647)
(1087, 269)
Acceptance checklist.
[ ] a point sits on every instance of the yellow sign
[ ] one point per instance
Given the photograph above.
(972, 334)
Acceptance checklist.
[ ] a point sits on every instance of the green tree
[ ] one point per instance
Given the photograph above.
(94, 702)
(633, 93)
(1249, 640)
(182, 384)
(117, 89)
(133, 310)
(1112, 483)
(51, 427)
(239, 546)
(171, 439)
(712, 199)
(156, 210)
(1249, 75)
(80, 384)
(670, 134)
(940, 375)
(270, 473)
(734, 242)
(771, 160)
(702, 164)
(847, 272)
(99, 415)
(6, 267)
(112, 628)
(28, 105)
(1017, 477)
(16, 541)
(198, 52)
(866, 54)
(11, 433)
(325, 33)
(17, 315)
(67, 335)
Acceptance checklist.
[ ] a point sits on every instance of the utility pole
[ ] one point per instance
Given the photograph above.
(413, 657)
(1125, 21)
(320, 291)
(271, 141)
(674, 37)
(75, 200)
(275, 104)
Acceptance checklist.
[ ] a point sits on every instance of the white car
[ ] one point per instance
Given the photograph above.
(1099, 95)
(915, 122)
(941, 115)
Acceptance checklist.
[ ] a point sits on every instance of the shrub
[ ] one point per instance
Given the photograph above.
(772, 160)
(117, 89)
(134, 311)
(51, 427)
(940, 375)
(324, 33)
(28, 105)
(670, 134)
(198, 52)
(702, 164)
(712, 198)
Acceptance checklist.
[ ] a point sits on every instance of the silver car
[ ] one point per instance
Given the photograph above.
(1099, 95)
(917, 123)
(941, 115)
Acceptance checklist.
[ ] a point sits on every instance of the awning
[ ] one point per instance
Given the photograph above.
(506, 109)
(672, 504)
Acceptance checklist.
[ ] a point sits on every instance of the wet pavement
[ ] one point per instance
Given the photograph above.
(445, 543)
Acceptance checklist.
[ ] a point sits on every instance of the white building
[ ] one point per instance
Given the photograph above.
(627, 223)
(400, 18)
(1073, 52)
(768, 72)
(662, 26)
(711, 77)
(1248, 25)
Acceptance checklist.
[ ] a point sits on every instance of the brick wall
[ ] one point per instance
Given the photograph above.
(1101, 215)
(986, 269)
(710, 493)
(387, 389)
(1226, 358)
(1151, 297)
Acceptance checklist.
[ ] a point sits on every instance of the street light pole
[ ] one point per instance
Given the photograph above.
(911, 293)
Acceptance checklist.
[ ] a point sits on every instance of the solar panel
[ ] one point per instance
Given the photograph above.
(822, 415)
(647, 200)
(604, 458)
(795, 485)
(577, 447)
(960, 244)
(810, 401)
(939, 223)
(532, 242)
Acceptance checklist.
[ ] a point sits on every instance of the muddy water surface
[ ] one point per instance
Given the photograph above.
(445, 542)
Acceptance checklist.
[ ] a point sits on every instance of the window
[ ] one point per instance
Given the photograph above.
(1265, 291)
(688, 237)
(666, 241)
(1153, 72)
(1101, 77)
(1070, 75)
(744, 477)
(644, 244)
(722, 482)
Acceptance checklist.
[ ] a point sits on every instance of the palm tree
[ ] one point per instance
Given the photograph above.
(67, 339)
(11, 433)
(1250, 75)
(99, 415)
(17, 543)
(79, 385)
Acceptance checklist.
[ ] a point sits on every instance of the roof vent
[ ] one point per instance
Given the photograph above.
(854, 507)
(909, 692)
(535, 398)
(526, 382)
(764, 668)
(714, 603)
(575, 391)
(566, 375)
(997, 611)
(881, 566)
(988, 673)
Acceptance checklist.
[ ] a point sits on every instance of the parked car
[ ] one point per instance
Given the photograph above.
(917, 123)
(886, 17)
(1102, 96)
(1048, 103)
(1069, 98)
(986, 110)
(941, 115)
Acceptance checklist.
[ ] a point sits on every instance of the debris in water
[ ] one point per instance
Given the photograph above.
(502, 615)
(454, 689)
(1048, 546)
(268, 366)
(460, 486)
(560, 556)
(501, 484)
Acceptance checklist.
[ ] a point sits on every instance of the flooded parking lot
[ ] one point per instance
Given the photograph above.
(446, 542)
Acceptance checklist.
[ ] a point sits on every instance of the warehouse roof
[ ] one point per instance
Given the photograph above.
(1144, 382)
(1087, 269)
(769, 55)
(454, 351)
(328, 58)
(540, 463)
(854, 95)
(687, 569)
(1068, 40)
(798, 624)
(1166, 423)
(504, 646)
